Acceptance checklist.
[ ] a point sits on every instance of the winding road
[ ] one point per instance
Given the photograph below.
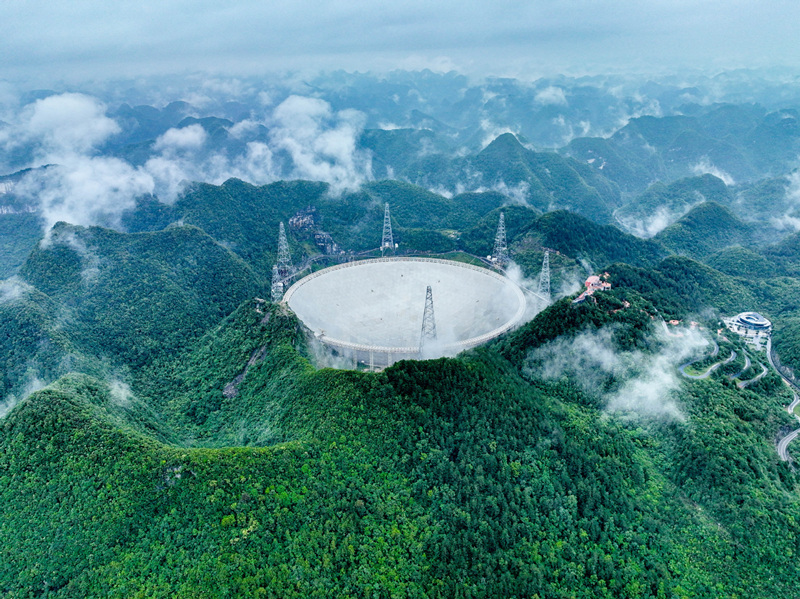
(783, 444)
(764, 370)
(746, 366)
(711, 368)
(794, 404)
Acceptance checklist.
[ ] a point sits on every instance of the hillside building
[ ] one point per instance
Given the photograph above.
(592, 284)
(751, 326)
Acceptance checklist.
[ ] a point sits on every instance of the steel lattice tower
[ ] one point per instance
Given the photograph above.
(500, 254)
(284, 258)
(387, 243)
(428, 320)
(277, 285)
(544, 277)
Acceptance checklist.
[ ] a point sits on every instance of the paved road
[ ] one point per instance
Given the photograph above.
(783, 444)
(711, 368)
(746, 366)
(769, 356)
(764, 370)
(790, 408)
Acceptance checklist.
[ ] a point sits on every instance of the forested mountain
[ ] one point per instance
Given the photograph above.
(707, 228)
(661, 204)
(168, 431)
(425, 479)
(740, 141)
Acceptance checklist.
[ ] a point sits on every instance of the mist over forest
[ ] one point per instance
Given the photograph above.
(170, 427)
(632, 142)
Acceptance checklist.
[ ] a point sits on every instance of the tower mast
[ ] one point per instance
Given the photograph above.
(544, 277)
(500, 254)
(277, 285)
(284, 263)
(428, 321)
(387, 243)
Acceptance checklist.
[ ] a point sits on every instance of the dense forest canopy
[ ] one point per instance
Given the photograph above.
(168, 431)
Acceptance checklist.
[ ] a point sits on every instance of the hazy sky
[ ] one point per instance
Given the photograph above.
(83, 39)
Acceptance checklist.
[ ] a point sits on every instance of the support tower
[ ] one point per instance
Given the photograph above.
(277, 285)
(387, 243)
(544, 277)
(284, 263)
(500, 254)
(428, 321)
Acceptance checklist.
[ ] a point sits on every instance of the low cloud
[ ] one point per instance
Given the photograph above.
(321, 142)
(63, 124)
(569, 282)
(12, 289)
(551, 96)
(81, 187)
(632, 382)
(570, 131)
(90, 261)
(519, 194)
(704, 167)
(244, 128)
(639, 106)
(31, 384)
(655, 222)
(187, 138)
(85, 187)
(535, 303)
(120, 393)
(86, 190)
(492, 131)
(790, 219)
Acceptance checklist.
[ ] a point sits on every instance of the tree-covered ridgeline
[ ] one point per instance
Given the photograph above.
(188, 446)
(452, 477)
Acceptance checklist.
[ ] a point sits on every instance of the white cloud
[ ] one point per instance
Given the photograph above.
(170, 177)
(648, 380)
(568, 130)
(551, 95)
(120, 393)
(86, 190)
(65, 130)
(64, 124)
(82, 188)
(191, 137)
(704, 167)
(655, 222)
(493, 131)
(12, 289)
(256, 164)
(790, 219)
(321, 143)
(244, 128)
(32, 384)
